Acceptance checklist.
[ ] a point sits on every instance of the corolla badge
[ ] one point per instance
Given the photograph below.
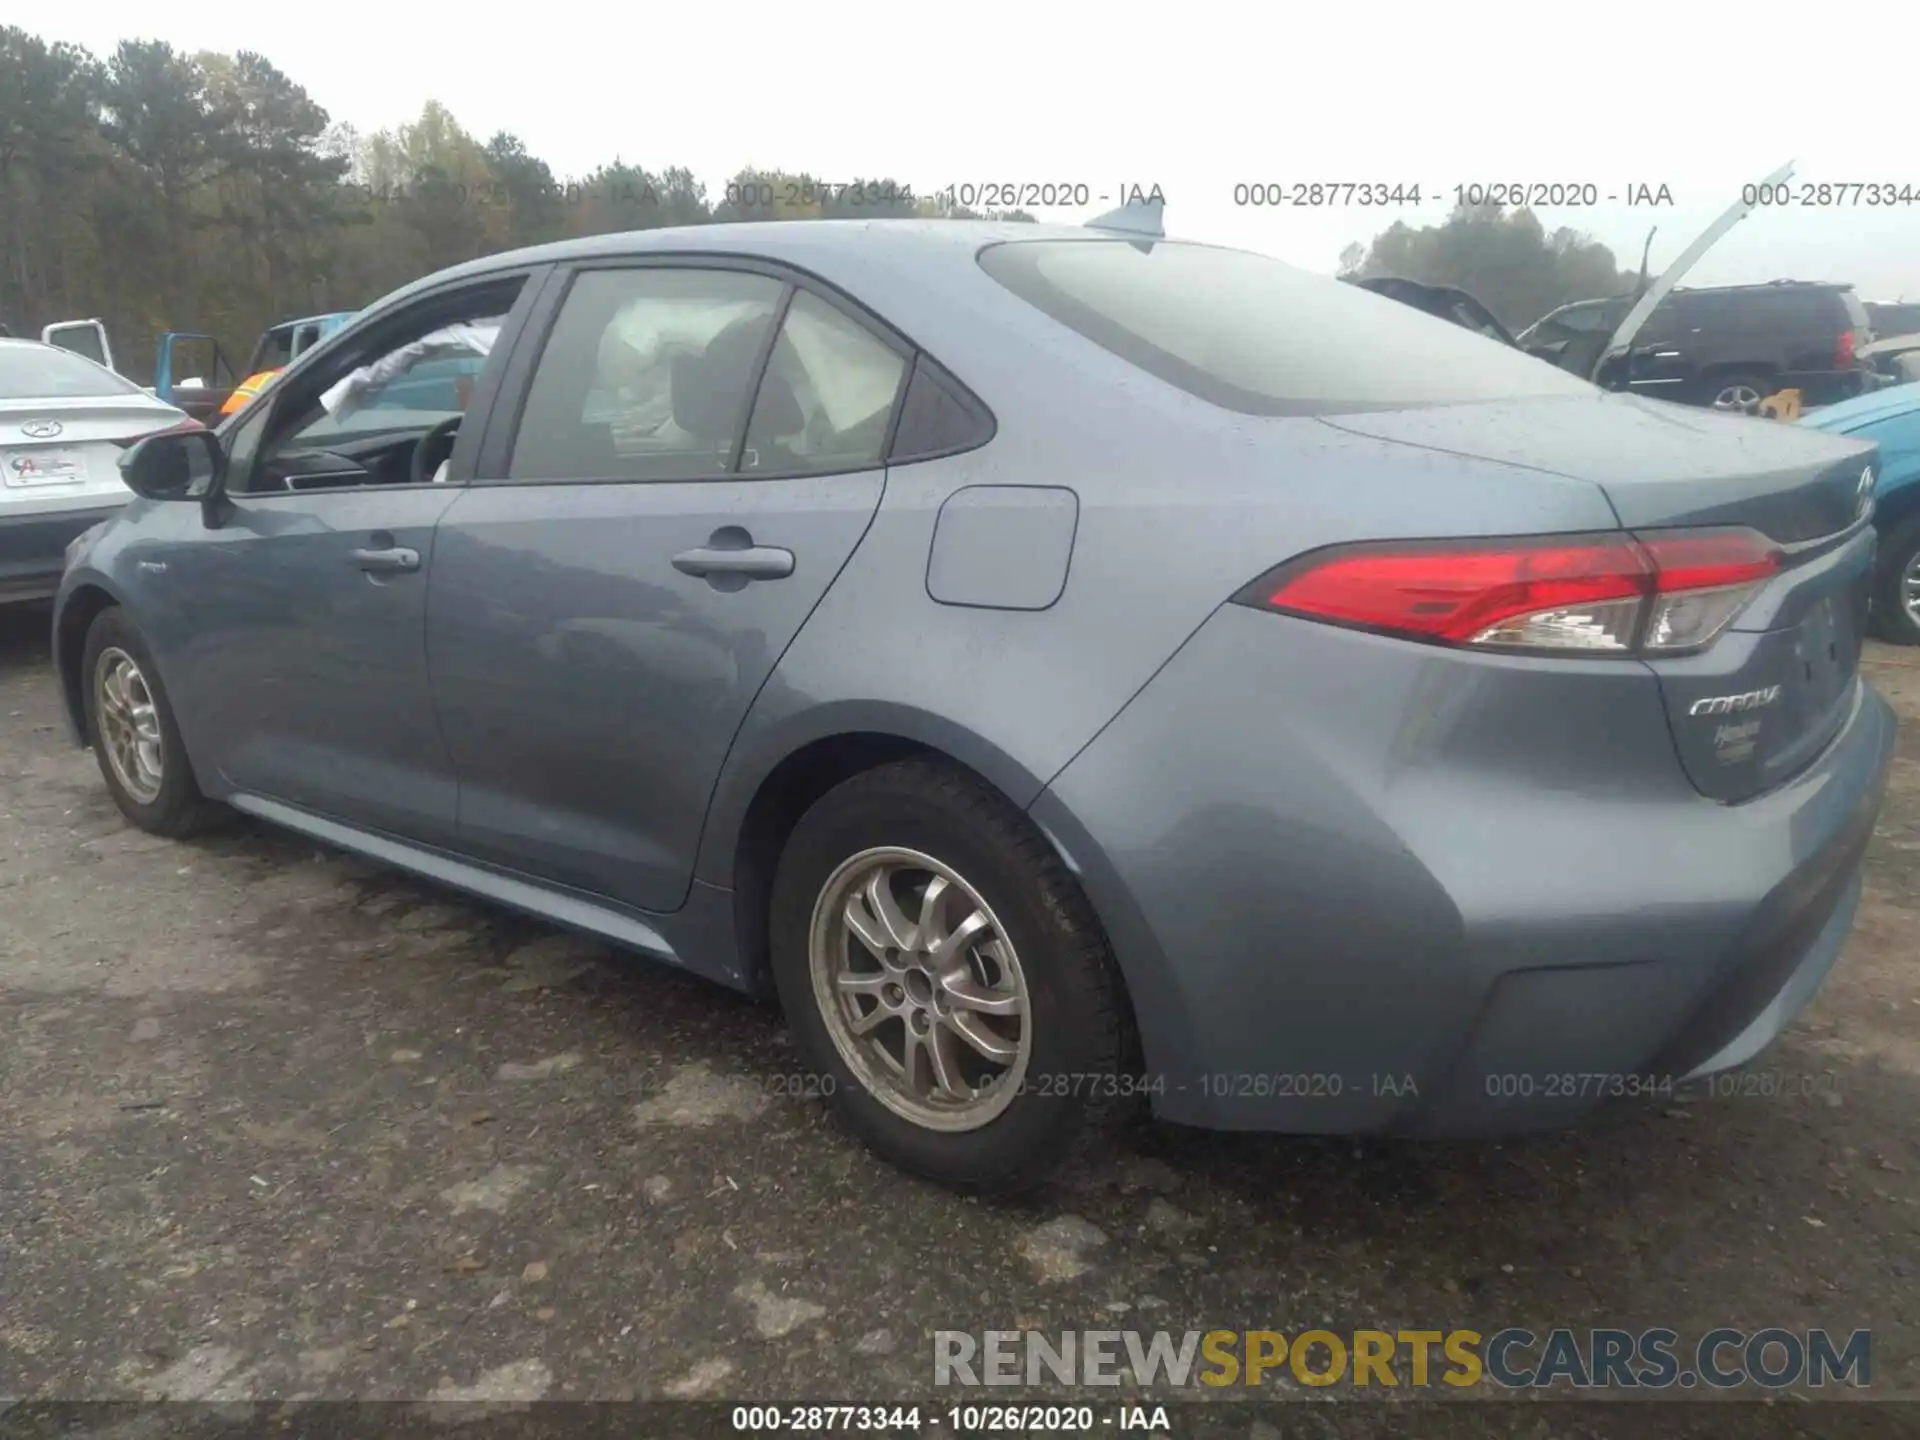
(1735, 704)
(41, 429)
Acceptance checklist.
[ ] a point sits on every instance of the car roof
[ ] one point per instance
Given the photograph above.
(312, 320)
(1761, 287)
(794, 241)
(1596, 300)
(26, 342)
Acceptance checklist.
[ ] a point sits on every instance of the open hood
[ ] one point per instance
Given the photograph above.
(1588, 359)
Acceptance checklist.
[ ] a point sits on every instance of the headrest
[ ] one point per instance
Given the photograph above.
(706, 387)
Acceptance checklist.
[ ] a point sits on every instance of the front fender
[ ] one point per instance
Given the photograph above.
(84, 592)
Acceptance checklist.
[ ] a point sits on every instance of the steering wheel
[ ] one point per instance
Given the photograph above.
(439, 437)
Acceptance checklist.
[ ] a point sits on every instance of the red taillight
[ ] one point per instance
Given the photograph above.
(1843, 351)
(1606, 594)
(1705, 559)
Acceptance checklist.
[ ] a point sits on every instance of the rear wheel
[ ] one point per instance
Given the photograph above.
(1896, 589)
(1740, 394)
(942, 970)
(135, 739)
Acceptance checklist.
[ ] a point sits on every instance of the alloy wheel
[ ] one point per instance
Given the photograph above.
(921, 989)
(1738, 396)
(129, 725)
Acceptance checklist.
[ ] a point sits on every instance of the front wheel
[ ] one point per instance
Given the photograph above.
(1896, 587)
(134, 736)
(943, 970)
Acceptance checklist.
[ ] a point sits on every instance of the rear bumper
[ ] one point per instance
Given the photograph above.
(1356, 886)
(33, 548)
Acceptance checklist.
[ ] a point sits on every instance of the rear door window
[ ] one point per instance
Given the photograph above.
(1770, 312)
(1253, 335)
(646, 376)
(827, 396)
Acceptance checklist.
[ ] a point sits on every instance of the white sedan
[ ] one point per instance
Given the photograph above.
(64, 421)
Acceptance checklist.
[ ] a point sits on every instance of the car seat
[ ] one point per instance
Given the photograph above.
(708, 393)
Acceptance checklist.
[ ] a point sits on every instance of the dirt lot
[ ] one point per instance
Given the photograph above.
(279, 1123)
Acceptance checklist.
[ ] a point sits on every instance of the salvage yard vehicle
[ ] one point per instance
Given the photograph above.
(278, 347)
(1728, 346)
(1891, 419)
(82, 337)
(1067, 668)
(190, 370)
(64, 421)
(1446, 302)
(1896, 358)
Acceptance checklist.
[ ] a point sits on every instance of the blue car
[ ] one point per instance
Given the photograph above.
(1069, 669)
(1892, 418)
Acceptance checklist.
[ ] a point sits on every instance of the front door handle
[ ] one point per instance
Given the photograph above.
(387, 562)
(756, 562)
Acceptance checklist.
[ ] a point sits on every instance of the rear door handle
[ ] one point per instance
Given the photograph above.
(758, 562)
(387, 562)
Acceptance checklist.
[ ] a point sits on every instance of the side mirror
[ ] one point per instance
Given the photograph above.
(174, 465)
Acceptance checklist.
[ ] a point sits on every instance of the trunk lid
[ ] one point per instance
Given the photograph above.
(1764, 699)
(86, 418)
(65, 453)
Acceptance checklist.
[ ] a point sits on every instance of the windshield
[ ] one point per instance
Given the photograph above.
(45, 372)
(1254, 335)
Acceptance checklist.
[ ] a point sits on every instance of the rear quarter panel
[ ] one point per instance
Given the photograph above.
(1179, 505)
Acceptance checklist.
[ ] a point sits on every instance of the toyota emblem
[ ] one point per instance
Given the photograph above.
(41, 429)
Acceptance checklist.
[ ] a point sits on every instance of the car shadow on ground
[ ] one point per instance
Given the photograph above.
(26, 635)
(1787, 1201)
(1710, 1190)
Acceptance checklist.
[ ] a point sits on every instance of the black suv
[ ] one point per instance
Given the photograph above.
(1727, 346)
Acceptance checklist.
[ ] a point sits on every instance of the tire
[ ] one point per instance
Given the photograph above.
(1896, 584)
(171, 803)
(1069, 1082)
(1719, 386)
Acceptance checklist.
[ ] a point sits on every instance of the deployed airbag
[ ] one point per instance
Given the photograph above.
(350, 393)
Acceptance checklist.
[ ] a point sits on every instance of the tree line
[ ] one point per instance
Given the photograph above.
(160, 190)
(1505, 259)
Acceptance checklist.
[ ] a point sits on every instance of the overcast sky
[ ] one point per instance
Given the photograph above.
(1195, 98)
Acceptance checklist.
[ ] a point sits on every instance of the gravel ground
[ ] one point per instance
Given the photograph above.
(278, 1123)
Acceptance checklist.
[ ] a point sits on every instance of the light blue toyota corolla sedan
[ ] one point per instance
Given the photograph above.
(1068, 669)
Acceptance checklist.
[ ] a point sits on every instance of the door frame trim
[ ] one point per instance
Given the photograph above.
(516, 383)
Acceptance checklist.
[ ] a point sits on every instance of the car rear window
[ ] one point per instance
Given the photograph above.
(43, 372)
(1257, 336)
